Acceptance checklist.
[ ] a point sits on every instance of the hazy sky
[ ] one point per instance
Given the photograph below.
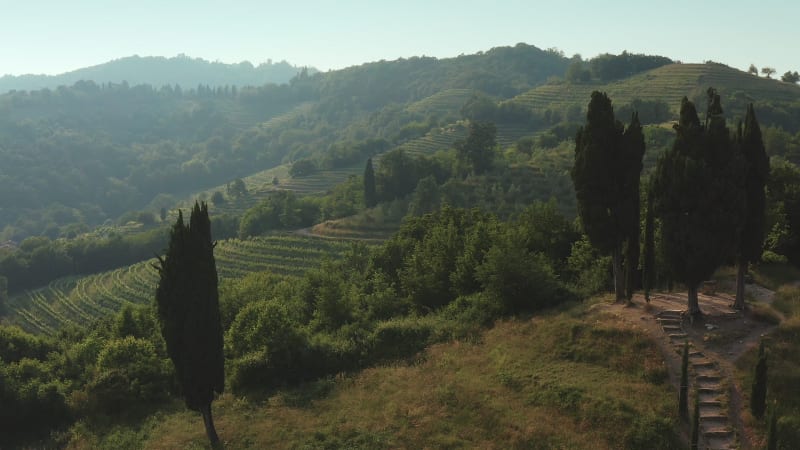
(58, 36)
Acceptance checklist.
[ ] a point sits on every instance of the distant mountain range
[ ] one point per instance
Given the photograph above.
(158, 71)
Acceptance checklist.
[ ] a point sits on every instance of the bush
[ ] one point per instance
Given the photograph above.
(524, 281)
(789, 432)
(399, 338)
(128, 373)
(266, 346)
(651, 433)
(770, 257)
(31, 400)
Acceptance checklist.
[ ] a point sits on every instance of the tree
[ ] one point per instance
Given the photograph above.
(698, 197)
(187, 299)
(217, 198)
(576, 73)
(649, 260)
(3, 294)
(370, 195)
(768, 71)
(476, 153)
(758, 392)
(696, 422)
(772, 433)
(633, 145)
(751, 238)
(608, 161)
(162, 214)
(790, 77)
(237, 188)
(683, 393)
(753, 70)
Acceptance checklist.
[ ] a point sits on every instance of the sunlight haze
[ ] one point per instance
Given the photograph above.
(53, 37)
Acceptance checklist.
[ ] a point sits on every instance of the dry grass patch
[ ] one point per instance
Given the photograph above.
(563, 380)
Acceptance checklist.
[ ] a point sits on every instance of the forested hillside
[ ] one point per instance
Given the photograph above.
(81, 154)
(158, 71)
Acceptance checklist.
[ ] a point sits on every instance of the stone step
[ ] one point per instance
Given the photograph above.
(723, 443)
(717, 433)
(710, 404)
(708, 379)
(677, 335)
(713, 410)
(671, 328)
(710, 396)
(710, 419)
(695, 354)
(703, 364)
(710, 390)
(671, 314)
(668, 321)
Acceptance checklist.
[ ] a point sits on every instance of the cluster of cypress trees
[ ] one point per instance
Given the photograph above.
(706, 195)
(608, 164)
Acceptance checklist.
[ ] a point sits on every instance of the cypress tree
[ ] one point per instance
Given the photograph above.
(696, 421)
(370, 197)
(683, 394)
(758, 393)
(772, 434)
(605, 173)
(698, 197)
(634, 147)
(751, 238)
(187, 299)
(649, 263)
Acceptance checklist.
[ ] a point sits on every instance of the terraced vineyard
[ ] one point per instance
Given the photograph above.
(445, 137)
(79, 300)
(443, 102)
(668, 83)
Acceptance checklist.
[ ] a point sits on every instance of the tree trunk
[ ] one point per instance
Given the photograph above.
(694, 306)
(740, 275)
(211, 432)
(619, 276)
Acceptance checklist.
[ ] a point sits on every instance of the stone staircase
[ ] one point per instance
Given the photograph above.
(707, 381)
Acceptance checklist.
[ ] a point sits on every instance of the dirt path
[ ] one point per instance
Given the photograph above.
(716, 341)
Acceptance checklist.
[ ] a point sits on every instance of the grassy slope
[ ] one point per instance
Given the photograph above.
(783, 352)
(668, 83)
(561, 380)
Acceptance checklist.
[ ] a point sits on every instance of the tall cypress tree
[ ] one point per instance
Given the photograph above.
(772, 433)
(370, 197)
(683, 392)
(187, 299)
(634, 147)
(751, 239)
(698, 197)
(758, 393)
(696, 422)
(605, 174)
(649, 260)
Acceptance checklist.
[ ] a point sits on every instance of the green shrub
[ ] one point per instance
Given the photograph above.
(651, 433)
(789, 432)
(399, 338)
(265, 345)
(128, 374)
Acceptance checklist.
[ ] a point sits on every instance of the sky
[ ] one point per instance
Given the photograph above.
(53, 37)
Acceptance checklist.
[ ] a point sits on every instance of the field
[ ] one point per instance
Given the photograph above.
(79, 300)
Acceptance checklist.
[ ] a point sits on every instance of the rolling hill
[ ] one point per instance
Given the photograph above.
(159, 71)
(668, 84)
